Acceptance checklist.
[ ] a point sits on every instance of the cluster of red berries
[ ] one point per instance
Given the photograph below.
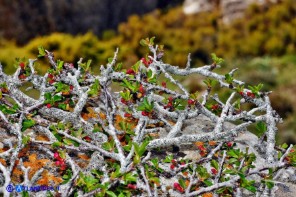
(215, 107)
(178, 187)
(249, 94)
(170, 103)
(146, 62)
(51, 78)
(175, 164)
(59, 161)
(202, 150)
(22, 65)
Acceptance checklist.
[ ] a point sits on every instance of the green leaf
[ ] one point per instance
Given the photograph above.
(95, 88)
(144, 42)
(284, 146)
(168, 159)
(110, 193)
(228, 78)
(261, 127)
(136, 66)
(151, 41)
(214, 164)
(57, 98)
(129, 177)
(232, 153)
(28, 123)
(25, 140)
(60, 65)
(182, 183)
(47, 96)
(216, 59)
(208, 182)
(41, 51)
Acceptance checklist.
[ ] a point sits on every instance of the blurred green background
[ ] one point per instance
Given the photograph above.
(259, 39)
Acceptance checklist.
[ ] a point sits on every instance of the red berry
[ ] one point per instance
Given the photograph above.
(250, 94)
(71, 65)
(130, 72)
(22, 65)
(132, 186)
(141, 89)
(190, 102)
(172, 166)
(56, 155)
(87, 138)
(215, 107)
(169, 104)
(173, 161)
(71, 87)
(48, 105)
(178, 187)
(50, 76)
(51, 81)
(123, 101)
(170, 99)
(144, 113)
(241, 93)
(229, 144)
(127, 115)
(163, 84)
(214, 171)
(22, 76)
(58, 163)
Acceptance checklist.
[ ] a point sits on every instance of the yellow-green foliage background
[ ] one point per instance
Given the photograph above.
(262, 45)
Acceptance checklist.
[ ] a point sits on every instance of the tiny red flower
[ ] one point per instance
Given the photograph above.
(163, 84)
(172, 166)
(170, 99)
(214, 171)
(241, 93)
(71, 87)
(22, 65)
(48, 105)
(132, 186)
